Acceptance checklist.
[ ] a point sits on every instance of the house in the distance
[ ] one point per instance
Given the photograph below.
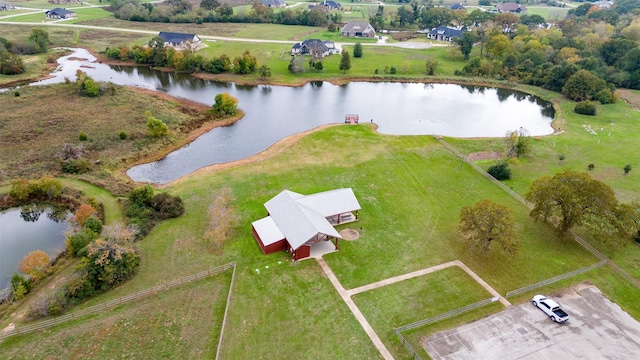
(511, 7)
(274, 3)
(331, 5)
(59, 13)
(297, 222)
(179, 40)
(457, 6)
(444, 33)
(314, 47)
(358, 29)
(6, 6)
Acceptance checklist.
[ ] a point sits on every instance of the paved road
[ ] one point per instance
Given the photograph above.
(406, 45)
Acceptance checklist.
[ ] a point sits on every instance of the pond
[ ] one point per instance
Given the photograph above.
(275, 112)
(27, 229)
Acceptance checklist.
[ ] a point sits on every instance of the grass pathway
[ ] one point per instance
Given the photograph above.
(112, 208)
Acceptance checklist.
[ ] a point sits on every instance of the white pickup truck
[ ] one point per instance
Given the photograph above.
(551, 308)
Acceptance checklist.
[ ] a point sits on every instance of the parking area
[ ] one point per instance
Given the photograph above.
(597, 329)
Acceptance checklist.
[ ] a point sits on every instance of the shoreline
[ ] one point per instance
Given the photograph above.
(203, 125)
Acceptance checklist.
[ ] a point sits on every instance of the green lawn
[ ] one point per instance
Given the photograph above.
(395, 305)
(549, 13)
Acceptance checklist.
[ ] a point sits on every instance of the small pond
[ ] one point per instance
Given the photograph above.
(27, 229)
(275, 112)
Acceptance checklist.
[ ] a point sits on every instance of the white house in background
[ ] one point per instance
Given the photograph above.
(274, 3)
(59, 13)
(179, 39)
(444, 33)
(314, 46)
(6, 6)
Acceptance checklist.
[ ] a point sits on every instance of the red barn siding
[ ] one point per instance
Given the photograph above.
(268, 249)
(301, 253)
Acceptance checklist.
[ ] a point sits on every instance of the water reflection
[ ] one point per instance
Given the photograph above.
(24, 230)
(275, 112)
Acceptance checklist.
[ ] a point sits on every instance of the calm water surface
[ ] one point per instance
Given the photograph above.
(275, 112)
(26, 229)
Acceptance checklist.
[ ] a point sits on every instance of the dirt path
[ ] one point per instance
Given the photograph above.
(631, 97)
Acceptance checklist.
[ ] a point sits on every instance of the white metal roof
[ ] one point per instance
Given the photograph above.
(301, 217)
(332, 202)
(268, 230)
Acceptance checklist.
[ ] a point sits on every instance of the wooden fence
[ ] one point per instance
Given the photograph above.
(433, 319)
(518, 197)
(116, 302)
(555, 279)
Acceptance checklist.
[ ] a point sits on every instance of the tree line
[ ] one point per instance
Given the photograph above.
(187, 60)
(585, 57)
(212, 11)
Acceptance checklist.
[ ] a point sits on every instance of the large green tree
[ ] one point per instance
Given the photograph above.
(583, 85)
(40, 38)
(345, 61)
(487, 223)
(575, 199)
(466, 42)
(210, 5)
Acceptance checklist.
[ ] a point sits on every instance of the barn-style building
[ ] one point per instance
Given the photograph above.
(296, 222)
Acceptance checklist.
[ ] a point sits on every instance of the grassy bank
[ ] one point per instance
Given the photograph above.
(33, 136)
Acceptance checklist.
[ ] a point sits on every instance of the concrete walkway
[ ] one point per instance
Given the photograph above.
(346, 294)
(356, 312)
(428, 270)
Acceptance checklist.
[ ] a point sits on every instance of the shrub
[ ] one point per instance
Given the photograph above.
(93, 224)
(561, 157)
(318, 66)
(627, 169)
(500, 171)
(591, 166)
(20, 286)
(47, 188)
(69, 151)
(156, 127)
(167, 206)
(605, 96)
(393, 70)
(35, 264)
(141, 195)
(21, 189)
(357, 50)
(225, 104)
(585, 108)
(83, 136)
(122, 135)
(16, 93)
(78, 241)
(77, 166)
